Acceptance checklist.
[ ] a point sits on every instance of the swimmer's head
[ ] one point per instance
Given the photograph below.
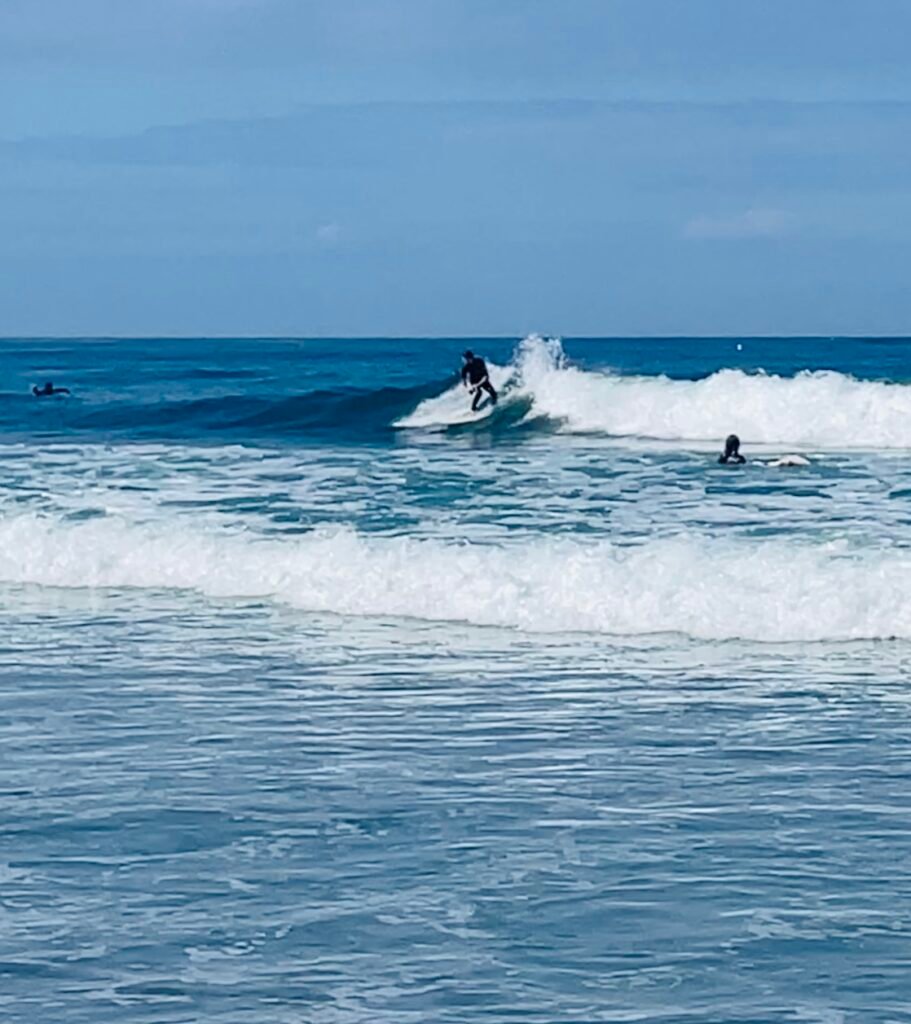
(731, 450)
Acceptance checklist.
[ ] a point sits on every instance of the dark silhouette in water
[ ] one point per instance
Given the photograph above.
(49, 389)
(476, 379)
(731, 451)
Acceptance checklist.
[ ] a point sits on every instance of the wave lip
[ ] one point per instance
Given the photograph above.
(821, 409)
(814, 409)
(769, 590)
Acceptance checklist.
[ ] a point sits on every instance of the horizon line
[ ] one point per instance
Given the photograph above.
(454, 337)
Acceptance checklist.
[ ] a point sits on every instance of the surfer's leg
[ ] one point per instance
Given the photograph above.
(489, 388)
(476, 401)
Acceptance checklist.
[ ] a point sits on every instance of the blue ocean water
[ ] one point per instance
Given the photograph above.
(321, 701)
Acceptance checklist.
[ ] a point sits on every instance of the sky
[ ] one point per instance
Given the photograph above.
(454, 167)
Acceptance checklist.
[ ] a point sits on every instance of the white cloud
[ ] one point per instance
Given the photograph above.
(756, 222)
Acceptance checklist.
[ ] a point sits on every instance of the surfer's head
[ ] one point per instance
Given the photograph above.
(731, 450)
(468, 355)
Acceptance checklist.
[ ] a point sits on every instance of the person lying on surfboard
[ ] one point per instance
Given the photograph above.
(49, 389)
(476, 379)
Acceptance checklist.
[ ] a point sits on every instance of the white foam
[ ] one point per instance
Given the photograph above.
(454, 405)
(821, 409)
(768, 590)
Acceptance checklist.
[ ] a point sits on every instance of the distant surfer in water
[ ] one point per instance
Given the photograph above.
(476, 379)
(731, 451)
(49, 389)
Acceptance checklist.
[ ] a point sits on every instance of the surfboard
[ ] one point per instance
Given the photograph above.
(789, 460)
(469, 415)
(453, 406)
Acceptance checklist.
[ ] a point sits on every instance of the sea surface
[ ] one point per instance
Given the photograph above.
(321, 702)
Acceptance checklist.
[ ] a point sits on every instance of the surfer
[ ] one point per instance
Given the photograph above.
(476, 379)
(49, 389)
(731, 451)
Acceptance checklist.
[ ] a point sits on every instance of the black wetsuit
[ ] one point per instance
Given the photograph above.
(474, 374)
(47, 390)
(732, 451)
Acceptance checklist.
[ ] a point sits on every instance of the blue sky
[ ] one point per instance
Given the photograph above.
(433, 167)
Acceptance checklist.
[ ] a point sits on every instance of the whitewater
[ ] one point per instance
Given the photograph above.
(822, 409)
(322, 699)
(596, 505)
(767, 591)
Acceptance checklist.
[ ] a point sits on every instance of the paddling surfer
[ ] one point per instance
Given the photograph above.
(48, 389)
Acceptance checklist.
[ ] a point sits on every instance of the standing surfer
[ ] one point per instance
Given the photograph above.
(476, 378)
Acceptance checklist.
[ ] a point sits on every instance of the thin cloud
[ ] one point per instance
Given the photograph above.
(328, 234)
(756, 222)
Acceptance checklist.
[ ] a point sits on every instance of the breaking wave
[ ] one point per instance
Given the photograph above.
(820, 409)
(765, 590)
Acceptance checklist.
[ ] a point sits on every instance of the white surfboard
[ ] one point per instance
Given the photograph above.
(453, 407)
(469, 415)
(785, 461)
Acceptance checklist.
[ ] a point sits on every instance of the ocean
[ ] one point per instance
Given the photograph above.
(320, 704)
